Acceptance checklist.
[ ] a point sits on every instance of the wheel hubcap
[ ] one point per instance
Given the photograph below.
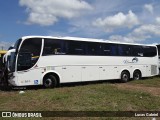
(137, 76)
(48, 82)
(125, 77)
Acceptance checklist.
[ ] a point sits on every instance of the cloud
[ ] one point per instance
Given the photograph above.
(48, 12)
(119, 20)
(148, 29)
(158, 20)
(139, 34)
(91, 18)
(149, 8)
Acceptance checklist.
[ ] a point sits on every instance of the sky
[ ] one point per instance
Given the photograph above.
(131, 21)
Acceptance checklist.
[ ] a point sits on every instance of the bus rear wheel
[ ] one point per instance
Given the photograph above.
(136, 75)
(50, 81)
(125, 77)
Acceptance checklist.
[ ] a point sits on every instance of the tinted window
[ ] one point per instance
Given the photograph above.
(70, 47)
(53, 47)
(29, 48)
(92, 48)
(124, 50)
(114, 50)
(75, 48)
(32, 45)
(149, 51)
(109, 49)
(105, 49)
(137, 51)
(63, 47)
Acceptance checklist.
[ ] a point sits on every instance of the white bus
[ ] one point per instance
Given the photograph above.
(158, 46)
(49, 61)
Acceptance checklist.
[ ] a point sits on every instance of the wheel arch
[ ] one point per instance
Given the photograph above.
(125, 76)
(125, 70)
(138, 71)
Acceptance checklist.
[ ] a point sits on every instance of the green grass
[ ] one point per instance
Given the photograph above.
(91, 97)
(94, 97)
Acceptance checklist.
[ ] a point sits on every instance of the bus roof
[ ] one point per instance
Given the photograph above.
(85, 39)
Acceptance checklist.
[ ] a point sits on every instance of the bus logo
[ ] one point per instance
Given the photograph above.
(135, 60)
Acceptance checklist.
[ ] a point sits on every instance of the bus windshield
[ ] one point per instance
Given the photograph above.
(29, 53)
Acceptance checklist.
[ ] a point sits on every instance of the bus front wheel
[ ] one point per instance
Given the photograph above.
(125, 77)
(50, 81)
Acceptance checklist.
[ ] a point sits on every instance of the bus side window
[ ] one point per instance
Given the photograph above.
(137, 51)
(52, 47)
(105, 50)
(124, 50)
(113, 50)
(75, 48)
(149, 51)
(93, 48)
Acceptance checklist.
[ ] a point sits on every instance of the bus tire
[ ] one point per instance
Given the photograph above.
(50, 81)
(137, 75)
(125, 77)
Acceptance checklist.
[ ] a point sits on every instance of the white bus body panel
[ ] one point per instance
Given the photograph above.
(29, 77)
(84, 68)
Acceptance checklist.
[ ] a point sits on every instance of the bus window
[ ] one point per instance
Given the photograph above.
(105, 50)
(108, 49)
(114, 50)
(92, 48)
(53, 47)
(149, 51)
(75, 48)
(124, 50)
(137, 51)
